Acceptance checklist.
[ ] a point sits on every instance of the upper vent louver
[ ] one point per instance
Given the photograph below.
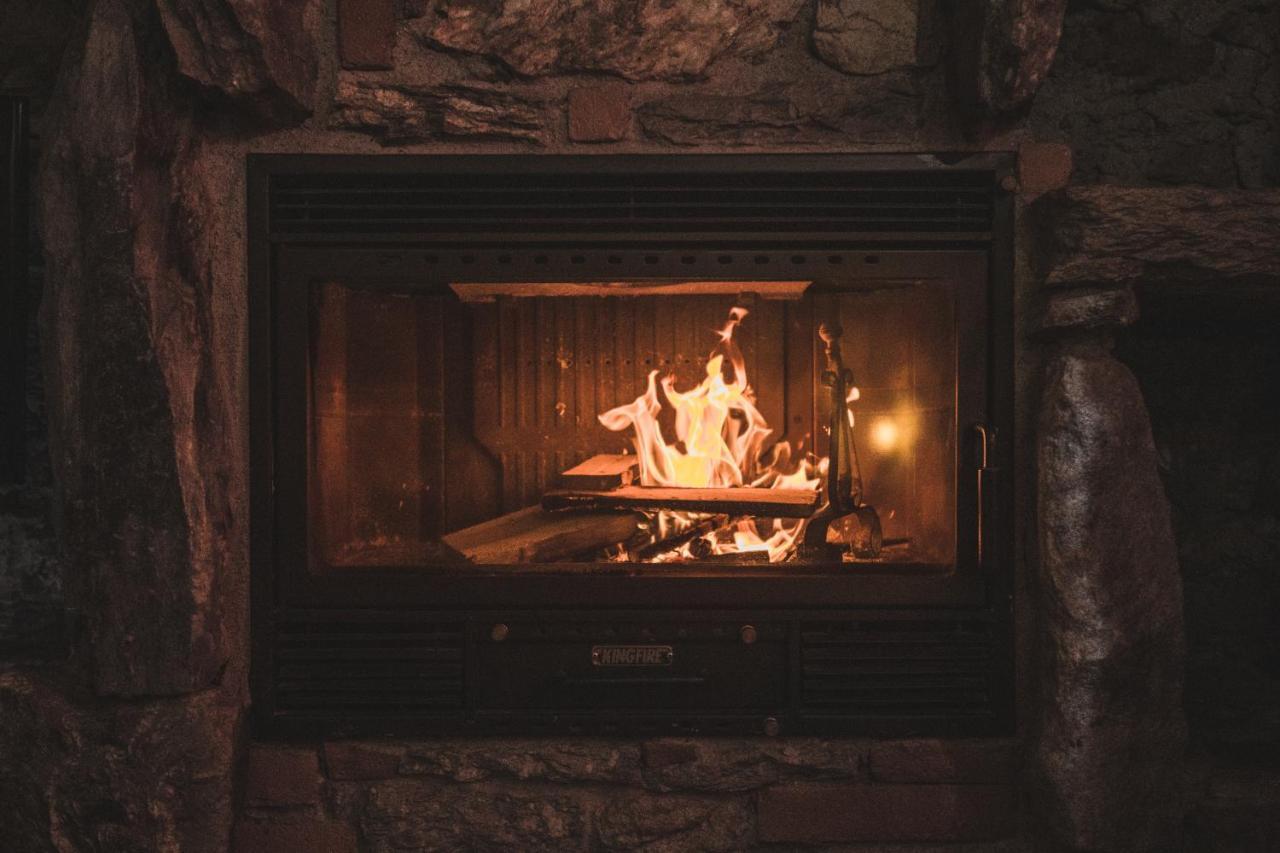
(368, 667)
(898, 668)
(629, 205)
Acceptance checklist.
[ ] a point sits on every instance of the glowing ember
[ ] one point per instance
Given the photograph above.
(720, 440)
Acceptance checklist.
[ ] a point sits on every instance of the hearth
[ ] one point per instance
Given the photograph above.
(610, 444)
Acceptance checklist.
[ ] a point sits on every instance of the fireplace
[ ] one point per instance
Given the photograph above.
(632, 444)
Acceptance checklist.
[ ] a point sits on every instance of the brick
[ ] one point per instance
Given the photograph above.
(279, 776)
(815, 813)
(1043, 166)
(992, 761)
(290, 832)
(356, 761)
(366, 33)
(599, 113)
(666, 753)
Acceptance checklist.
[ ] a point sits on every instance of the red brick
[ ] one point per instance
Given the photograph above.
(288, 833)
(817, 813)
(366, 33)
(282, 776)
(349, 761)
(993, 761)
(666, 753)
(599, 113)
(1043, 166)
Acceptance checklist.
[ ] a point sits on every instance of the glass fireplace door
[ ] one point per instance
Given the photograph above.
(640, 426)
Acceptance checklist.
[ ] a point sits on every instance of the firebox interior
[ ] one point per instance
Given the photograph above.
(442, 417)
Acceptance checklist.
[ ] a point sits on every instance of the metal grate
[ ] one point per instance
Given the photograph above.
(368, 668)
(943, 202)
(898, 668)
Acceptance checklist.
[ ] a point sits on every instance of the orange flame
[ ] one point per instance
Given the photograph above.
(720, 439)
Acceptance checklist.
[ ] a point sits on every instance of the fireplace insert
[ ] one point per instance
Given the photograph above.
(631, 444)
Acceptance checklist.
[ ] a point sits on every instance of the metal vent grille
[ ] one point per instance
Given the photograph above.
(941, 202)
(368, 668)
(898, 668)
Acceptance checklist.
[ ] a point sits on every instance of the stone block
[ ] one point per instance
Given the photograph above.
(533, 759)
(1100, 236)
(1043, 166)
(1111, 734)
(285, 833)
(867, 36)
(1088, 308)
(280, 776)
(1003, 50)
(264, 55)
(634, 39)
(990, 761)
(599, 113)
(725, 765)
(395, 113)
(357, 761)
(673, 822)
(813, 813)
(366, 33)
(80, 773)
(421, 814)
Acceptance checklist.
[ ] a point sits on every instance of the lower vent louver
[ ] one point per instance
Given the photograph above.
(369, 668)
(898, 668)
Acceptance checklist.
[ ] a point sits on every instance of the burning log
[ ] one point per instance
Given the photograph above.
(692, 534)
(602, 472)
(765, 503)
(533, 535)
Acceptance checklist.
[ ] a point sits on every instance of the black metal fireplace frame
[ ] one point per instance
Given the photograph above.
(314, 629)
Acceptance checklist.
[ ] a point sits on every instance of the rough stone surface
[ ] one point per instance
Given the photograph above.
(1003, 49)
(424, 815)
(647, 40)
(1088, 308)
(282, 776)
(680, 764)
(599, 113)
(80, 774)
(366, 33)
(1111, 733)
(1166, 92)
(587, 760)
(400, 113)
(1111, 235)
(709, 765)
(818, 813)
(673, 824)
(264, 54)
(929, 761)
(884, 109)
(142, 440)
(867, 36)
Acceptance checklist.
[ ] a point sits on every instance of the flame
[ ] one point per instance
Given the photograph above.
(720, 441)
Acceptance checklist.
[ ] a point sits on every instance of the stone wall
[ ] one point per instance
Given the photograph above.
(131, 747)
(592, 794)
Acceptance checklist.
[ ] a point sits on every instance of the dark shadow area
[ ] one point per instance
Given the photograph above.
(1209, 366)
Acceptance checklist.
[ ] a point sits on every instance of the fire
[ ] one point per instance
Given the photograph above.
(720, 441)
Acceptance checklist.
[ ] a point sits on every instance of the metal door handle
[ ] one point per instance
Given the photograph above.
(988, 489)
